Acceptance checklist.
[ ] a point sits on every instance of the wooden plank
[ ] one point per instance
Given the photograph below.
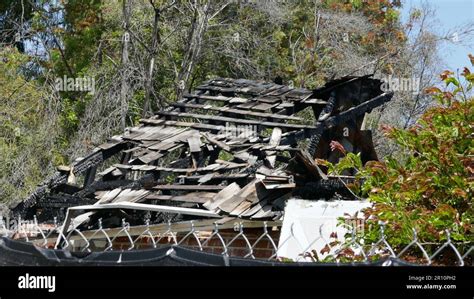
(215, 88)
(154, 134)
(248, 105)
(285, 105)
(106, 171)
(132, 150)
(189, 187)
(222, 196)
(193, 197)
(237, 100)
(302, 158)
(248, 193)
(219, 177)
(255, 209)
(197, 126)
(209, 168)
(299, 93)
(163, 146)
(269, 100)
(143, 167)
(236, 111)
(241, 208)
(129, 195)
(216, 142)
(112, 143)
(233, 120)
(264, 106)
(280, 91)
(273, 186)
(265, 212)
(151, 157)
(163, 134)
(206, 178)
(357, 110)
(135, 135)
(245, 156)
(194, 143)
(230, 165)
(107, 197)
(207, 97)
(274, 141)
(315, 102)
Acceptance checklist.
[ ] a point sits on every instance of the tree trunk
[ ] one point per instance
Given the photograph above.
(195, 37)
(155, 40)
(125, 88)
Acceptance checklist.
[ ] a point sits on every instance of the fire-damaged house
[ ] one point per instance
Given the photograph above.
(209, 175)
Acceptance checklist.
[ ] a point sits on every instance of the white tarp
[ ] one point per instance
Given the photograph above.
(308, 225)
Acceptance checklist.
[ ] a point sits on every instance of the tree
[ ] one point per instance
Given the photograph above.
(29, 116)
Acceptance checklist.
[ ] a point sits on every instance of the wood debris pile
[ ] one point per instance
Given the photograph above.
(237, 148)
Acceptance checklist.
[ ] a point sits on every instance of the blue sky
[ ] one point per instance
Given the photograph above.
(449, 14)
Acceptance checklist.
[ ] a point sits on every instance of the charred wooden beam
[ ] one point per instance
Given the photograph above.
(345, 116)
(223, 119)
(214, 178)
(327, 110)
(237, 111)
(188, 187)
(358, 110)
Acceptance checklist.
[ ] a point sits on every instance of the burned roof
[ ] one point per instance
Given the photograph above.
(233, 147)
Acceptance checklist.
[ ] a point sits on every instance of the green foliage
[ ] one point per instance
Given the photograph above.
(27, 129)
(225, 156)
(432, 189)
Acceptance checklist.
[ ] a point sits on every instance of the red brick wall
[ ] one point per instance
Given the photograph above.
(238, 248)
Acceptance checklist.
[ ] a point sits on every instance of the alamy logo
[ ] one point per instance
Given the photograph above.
(240, 131)
(37, 282)
(75, 84)
(401, 84)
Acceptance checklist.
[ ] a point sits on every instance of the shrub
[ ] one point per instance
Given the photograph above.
(431, 190)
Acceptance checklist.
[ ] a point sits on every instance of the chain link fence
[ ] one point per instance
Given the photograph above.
(252, 240)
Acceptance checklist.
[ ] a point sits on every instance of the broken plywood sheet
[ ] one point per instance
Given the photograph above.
(107, 196)
(129, 195)
(248, 193)
(224, 195)
(254, 203)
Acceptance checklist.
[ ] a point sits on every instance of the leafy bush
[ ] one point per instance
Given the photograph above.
(431, 190)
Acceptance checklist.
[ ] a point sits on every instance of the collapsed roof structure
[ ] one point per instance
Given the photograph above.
(234, 148)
